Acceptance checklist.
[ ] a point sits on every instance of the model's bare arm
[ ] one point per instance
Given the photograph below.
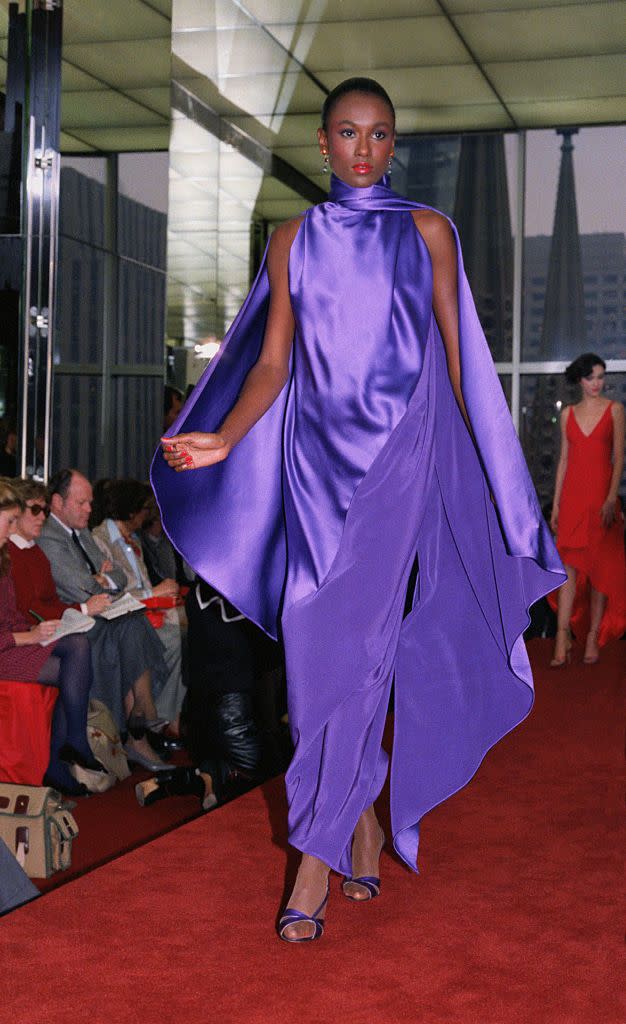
(265, 380)
(560, 470)
(607, 511)
(437, 233)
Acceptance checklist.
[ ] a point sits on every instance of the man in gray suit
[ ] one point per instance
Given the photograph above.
(128, 664)
(78, 567)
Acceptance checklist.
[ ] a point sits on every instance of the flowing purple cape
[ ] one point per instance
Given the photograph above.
(312, 524)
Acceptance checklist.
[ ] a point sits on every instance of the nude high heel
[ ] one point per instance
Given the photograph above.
(591, 659)
(559, 662)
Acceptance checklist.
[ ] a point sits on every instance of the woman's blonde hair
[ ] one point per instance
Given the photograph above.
(9, 498)
(30, 490)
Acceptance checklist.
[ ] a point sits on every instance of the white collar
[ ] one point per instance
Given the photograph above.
(20, 541)
(66, 528)
(114, 531)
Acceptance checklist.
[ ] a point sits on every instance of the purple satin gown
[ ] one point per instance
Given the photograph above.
(314, 521)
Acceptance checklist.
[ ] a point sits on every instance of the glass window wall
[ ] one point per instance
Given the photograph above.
(111, 313)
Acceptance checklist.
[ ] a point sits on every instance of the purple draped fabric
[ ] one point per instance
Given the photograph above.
(314, 521)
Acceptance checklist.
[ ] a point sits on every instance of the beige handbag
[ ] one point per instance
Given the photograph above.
(37, 827)
(106, 745)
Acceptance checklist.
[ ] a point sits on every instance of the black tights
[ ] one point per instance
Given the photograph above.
(68, 668)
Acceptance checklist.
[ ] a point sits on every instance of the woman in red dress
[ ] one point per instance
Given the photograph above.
(64, 663)
(587, 517)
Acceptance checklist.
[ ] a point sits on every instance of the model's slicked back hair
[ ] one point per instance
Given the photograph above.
(582, 367)
(366, 86)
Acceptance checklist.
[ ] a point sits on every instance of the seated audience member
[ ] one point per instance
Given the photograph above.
(225, 655)
(161, 557)
(125, 508)
(65, 663)
(128, 664)
(172, 404)
(8, 450)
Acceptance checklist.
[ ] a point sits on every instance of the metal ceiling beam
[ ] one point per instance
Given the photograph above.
(114, 88)
(442, 7)
(187, 103)
(155, 10)
(259, 24)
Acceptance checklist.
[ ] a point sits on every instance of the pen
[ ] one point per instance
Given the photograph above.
(39, 618)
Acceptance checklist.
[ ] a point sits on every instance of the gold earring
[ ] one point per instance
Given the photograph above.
(326, 164)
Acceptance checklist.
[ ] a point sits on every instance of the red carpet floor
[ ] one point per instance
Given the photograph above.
(513, 918)
(112, 823)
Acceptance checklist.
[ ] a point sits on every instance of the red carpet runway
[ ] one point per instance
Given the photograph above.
(513, 918)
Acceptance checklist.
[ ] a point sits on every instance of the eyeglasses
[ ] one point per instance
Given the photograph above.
(36, 510)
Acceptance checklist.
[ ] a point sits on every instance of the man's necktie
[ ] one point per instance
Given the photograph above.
(92, 568)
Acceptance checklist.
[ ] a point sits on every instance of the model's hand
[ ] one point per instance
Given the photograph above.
(97, 604)
(607, 513)
(193, 451)
(554, 519)
(106, 566)
(43, 631)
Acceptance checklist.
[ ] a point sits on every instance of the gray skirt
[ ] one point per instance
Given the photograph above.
(121, 650)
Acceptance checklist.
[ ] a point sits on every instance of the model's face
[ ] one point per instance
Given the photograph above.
(359, 139)
(30, 522)
(75, 509)
(8, 519)
(593, 383)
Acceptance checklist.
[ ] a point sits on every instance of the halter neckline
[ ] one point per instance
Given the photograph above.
(340, 192)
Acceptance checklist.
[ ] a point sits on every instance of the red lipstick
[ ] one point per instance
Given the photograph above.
(362, 168)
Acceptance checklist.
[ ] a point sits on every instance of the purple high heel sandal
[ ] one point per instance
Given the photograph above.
(292, 916)
(369, 882)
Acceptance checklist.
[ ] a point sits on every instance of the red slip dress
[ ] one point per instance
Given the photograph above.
(582, 541)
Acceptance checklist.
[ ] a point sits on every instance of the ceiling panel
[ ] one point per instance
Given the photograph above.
(73, 144)
(232, 52)
(103, 109)
(452, 117)
(125, 64)
(278, 12)
(572, 78)
(414, 86)
(92, 20)
(551, 62)
(558, 32)
(372, 44)
(481, 6)
(129, 140)
(547, 114)
(155, 98)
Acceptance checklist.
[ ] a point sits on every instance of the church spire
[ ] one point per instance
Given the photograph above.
(483, 221)
(564, 331)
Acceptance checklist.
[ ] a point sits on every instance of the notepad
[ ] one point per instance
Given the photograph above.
(124, 604)
(72, 621)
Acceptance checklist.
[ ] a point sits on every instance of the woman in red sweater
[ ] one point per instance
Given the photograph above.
(65, 664)
(36, 591)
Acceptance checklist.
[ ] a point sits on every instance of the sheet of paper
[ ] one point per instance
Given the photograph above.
(72, 621)
(124, 604)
